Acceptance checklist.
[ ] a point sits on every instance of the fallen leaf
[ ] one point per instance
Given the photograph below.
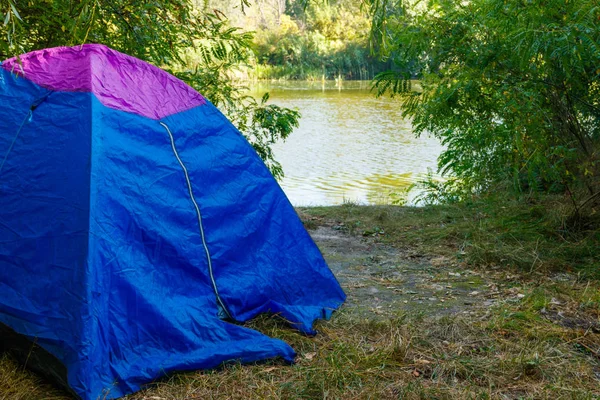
(310, 356)
(416, 373)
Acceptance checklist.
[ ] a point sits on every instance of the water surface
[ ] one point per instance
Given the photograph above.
(350, 146)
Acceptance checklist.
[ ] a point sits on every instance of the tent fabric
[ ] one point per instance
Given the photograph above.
(119, 81)
(102, 259)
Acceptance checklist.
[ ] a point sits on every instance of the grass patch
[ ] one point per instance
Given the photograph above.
(512, 355)
(449, 358)
(17, 383)
(534, 235)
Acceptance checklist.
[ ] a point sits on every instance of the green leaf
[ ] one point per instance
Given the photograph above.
(14, 10)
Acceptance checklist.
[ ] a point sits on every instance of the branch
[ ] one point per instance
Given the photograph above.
(589, 199)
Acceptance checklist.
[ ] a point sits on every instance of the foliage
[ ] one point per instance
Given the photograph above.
(315, 40)
(434, 190)
(195, 44)
(512, 89)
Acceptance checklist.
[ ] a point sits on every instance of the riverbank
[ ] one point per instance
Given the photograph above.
(491, 299)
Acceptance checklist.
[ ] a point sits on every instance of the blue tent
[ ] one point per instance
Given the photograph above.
(136, 221)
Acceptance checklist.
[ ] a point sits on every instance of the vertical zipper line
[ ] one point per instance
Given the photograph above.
(27, 117)
(199, 215)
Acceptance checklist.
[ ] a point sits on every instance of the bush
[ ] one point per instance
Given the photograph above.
(512, 89)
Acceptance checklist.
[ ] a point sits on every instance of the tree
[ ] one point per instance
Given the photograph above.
(512, 89)
(193, 43)
(317, 39)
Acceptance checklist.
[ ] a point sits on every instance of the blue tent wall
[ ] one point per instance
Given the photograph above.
(265, 261)
(101, 260)
(44, 207)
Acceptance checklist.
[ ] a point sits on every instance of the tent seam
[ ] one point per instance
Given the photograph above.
(199, 215)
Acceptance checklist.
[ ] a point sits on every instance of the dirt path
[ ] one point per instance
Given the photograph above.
(384, 281)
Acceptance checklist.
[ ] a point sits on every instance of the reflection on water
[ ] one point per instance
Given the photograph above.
(350, 146)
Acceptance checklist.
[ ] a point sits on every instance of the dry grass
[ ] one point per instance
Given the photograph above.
(512, 352)
(16, 383)
(543, 345)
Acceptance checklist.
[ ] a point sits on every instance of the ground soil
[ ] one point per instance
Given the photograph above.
(381, 280)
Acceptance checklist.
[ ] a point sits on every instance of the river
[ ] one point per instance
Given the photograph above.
(350, 146)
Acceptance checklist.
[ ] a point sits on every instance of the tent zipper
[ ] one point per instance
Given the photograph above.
(223, 312)
(27, 118)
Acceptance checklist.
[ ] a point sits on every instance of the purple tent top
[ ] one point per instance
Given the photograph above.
(119, 81)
